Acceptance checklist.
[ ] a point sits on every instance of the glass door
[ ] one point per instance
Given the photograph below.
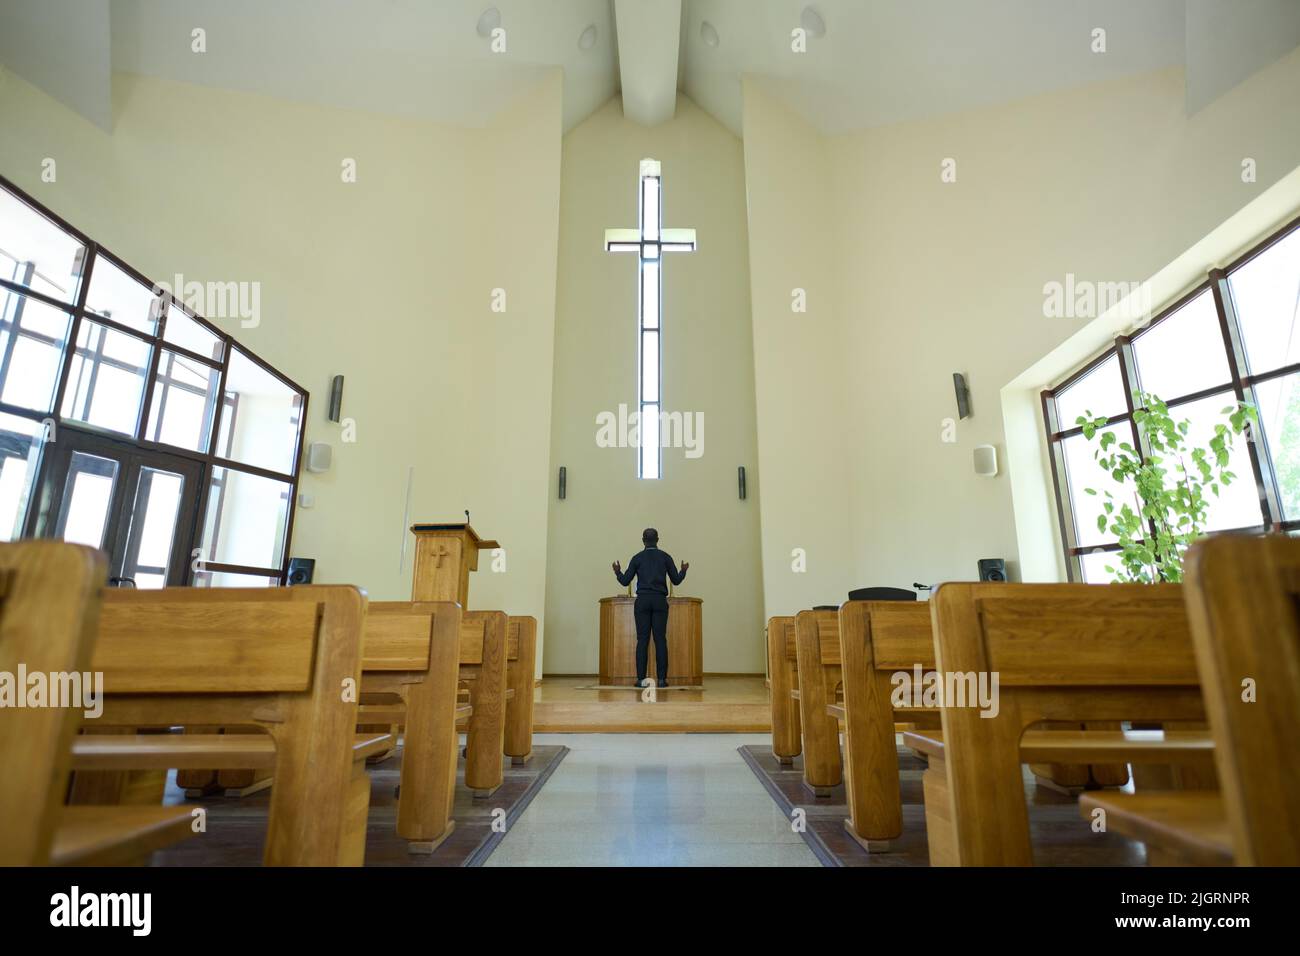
(138, 506)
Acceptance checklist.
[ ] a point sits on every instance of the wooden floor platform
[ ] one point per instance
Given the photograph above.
(236, 827)
(725, 704)
(1060, 836)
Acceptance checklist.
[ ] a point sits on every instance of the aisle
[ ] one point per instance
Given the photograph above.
(652, 800)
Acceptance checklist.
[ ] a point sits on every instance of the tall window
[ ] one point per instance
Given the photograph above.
(650, 240)
(1236, 337)
(130, 423)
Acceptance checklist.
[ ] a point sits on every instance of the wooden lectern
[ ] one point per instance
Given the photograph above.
(445, 554)
(618, 642)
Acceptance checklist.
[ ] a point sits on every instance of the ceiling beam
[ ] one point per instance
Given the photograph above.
(649, 37)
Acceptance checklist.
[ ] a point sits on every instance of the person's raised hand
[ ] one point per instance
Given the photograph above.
(685, 566)
(617, 567)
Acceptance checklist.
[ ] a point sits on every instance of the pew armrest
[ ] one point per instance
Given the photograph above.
(116, 835)
(1190, 825)
(194, 751)
(1090, 746)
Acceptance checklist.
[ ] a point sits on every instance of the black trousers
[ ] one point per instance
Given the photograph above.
(651, 615)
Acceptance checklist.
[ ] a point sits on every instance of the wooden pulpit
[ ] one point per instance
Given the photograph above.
(685, 642)
(445, 554)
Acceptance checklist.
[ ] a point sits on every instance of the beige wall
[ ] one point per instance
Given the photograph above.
(708, 368)
(799, 360)
(1109, 183)
(387, 281)
(913, 279)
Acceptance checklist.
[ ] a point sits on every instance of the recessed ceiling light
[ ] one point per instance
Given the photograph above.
(812, 22)
(489, 21)
(709, 34)
(588, 38)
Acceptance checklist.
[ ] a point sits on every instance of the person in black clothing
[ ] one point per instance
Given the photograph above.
(650, 566)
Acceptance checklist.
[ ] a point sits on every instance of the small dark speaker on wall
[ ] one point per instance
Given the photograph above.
(963, 394)
(336, 399)
(993, 569)
(301, 570)
(564, 482)
(740, 474)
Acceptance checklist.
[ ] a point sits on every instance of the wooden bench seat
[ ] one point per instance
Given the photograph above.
(1074, 653)
(186, 751)
(117, 836)
(279, 659)
(50, 595)
(1091, 746)
(395, 714)
(1241, 593)
(1188, 827)
(783, 682)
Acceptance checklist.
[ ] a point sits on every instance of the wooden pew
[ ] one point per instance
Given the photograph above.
(49, 604)
(1061, 652)
(1242, 595)
(286, 660)
(521, 665)
(411, 657)
(878, 639)
(483, 652)
(783, 680)
(817, 656)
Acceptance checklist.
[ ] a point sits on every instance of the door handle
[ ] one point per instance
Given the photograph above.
(121, 582)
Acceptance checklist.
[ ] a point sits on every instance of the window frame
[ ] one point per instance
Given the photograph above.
(157, 343)
(1241, 383)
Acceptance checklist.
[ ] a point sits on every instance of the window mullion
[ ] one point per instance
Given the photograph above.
(1270, 505)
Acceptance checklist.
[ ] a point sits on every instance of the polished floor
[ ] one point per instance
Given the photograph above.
(652, 800)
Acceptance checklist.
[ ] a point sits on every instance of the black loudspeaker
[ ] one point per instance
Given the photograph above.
(564, 482)
(336, 399)
(993, 569)
(963, 394)
(882, 594)
(740, 472)
(301, 570)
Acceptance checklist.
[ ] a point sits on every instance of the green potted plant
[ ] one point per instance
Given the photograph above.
(1172, 485)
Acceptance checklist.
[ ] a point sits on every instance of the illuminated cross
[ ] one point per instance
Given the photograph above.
(649, 241)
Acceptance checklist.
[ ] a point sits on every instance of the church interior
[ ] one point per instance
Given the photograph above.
(649, 433)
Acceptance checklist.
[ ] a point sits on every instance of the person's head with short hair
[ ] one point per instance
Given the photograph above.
(650, 538)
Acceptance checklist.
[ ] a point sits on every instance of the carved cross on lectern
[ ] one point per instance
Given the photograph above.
(442, 553)
(650, 241)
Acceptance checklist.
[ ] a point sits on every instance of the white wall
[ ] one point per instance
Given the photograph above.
(708, 368)
(387, 281)
(1109, 183)
(799, 360)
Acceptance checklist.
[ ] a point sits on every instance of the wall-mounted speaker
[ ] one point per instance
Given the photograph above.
(301, 570)
(336, 399)
(564, 482)
(993, 569)
(319, 456)
(740, 474)
(963, 394)
(986, 461)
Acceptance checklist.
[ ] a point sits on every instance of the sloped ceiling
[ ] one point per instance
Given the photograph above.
(878, 61)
